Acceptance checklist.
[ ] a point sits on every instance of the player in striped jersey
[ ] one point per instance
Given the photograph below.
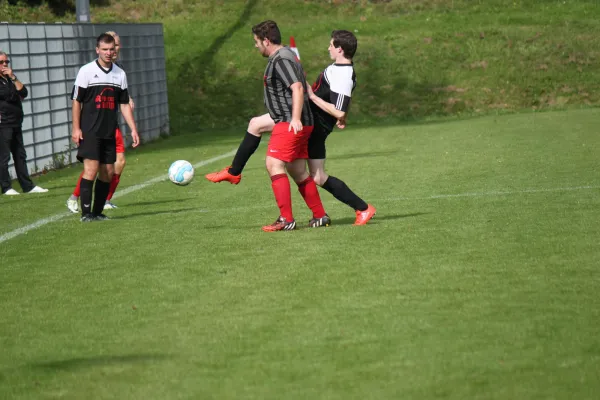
(330, 104)
(287, 103)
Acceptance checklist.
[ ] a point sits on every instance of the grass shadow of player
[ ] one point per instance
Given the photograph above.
(89, 362)
(377, 218)
(153, 203)
(154, 213)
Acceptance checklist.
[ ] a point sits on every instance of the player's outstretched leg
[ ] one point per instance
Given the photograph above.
(251, 141)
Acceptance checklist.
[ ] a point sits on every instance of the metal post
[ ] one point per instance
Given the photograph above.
(82, 9)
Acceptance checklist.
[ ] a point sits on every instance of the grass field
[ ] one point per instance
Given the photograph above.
(416, 59)
(478, 278)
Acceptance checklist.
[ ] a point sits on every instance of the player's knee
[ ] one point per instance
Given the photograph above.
(255, 127)
(120, 164)
(274, 166)
(319, 177)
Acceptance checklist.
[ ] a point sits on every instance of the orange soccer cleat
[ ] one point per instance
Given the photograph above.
(224, 175)
(362, 217)
(280, 225)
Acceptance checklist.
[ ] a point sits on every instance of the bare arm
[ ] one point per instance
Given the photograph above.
(128, 115)
(326, 106)
(297, 104)
(76, 134)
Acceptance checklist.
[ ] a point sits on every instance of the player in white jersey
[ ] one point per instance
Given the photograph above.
(99, 87)
(73, 200)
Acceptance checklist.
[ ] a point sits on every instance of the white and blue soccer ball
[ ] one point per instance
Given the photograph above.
(181, 172)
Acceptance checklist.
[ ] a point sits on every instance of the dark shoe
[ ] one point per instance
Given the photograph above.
(87, 218)
(101, 217)
(318, 222)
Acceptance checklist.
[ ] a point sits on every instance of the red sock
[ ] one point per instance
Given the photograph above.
(308, 190)
(283, 195)
(113, 186)
(77, 190)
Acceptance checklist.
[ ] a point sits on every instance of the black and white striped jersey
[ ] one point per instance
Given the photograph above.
(334, 85)
(100, 91)
(283, 70)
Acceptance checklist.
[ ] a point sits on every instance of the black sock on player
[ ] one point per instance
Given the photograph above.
(244, 152)
(85, 196)
(342, 192)
(100, 195)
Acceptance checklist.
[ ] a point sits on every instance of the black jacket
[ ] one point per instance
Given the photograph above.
(11, 110)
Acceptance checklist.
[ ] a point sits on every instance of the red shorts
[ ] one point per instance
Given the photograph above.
(286, 145)
(120, 142)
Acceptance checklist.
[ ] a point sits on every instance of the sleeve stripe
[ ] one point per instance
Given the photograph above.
(340, 102)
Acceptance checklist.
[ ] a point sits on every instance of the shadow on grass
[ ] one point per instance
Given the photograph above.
(149, 213)
(152, 203)
(376, 218)
(78, 363)
(364, 155)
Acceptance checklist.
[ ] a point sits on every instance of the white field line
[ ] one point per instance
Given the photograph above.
(130, 189)
(493, 193)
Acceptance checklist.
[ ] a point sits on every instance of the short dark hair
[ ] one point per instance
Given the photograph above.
(267, 30)
(346, 40)
(104, 38)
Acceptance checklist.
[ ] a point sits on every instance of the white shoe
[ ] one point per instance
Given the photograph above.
(38, 189)
(73, 206)
(109, 206)
(11, 192)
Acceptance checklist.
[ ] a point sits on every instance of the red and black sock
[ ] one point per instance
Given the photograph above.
(283, 195)
(342, 192)
(310, 194)
(77, 191)
(244, 152)
(113, 185)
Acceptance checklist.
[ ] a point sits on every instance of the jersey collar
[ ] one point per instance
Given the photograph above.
(102, 68)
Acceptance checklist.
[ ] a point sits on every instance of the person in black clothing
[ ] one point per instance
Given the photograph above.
(12, 91)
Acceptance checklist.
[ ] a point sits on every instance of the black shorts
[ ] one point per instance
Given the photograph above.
(103, 150)
(316, 143)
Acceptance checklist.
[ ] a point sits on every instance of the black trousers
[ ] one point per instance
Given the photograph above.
(11, 141)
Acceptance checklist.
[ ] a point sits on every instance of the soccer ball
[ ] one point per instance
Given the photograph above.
(181, 172)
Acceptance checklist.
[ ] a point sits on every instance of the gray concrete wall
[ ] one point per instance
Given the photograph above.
(47, 57)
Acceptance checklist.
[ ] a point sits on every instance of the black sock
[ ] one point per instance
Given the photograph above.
(100, 195)
(342, 192)
(244, 152)
(85, 196)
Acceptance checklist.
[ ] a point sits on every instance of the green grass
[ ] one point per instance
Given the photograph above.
(416, 59)
(476, 279)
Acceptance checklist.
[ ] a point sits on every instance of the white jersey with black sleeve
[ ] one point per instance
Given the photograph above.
(100, 91)
(334, 85)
